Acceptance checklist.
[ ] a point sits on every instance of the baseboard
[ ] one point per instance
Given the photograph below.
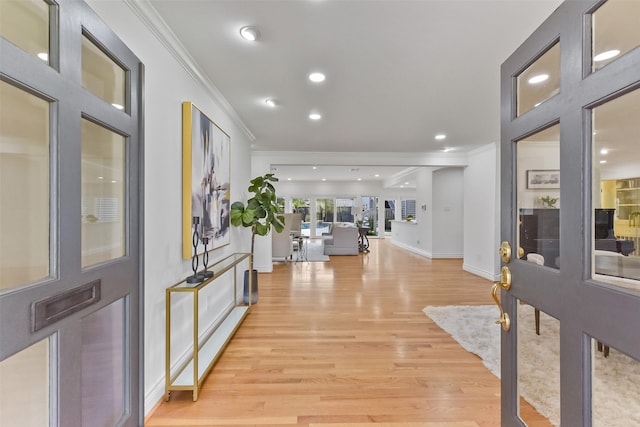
(489, 275)
(153, 399)
(447, 256)
(412, 249)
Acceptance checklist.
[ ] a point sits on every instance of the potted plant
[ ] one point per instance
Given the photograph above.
(260, 214)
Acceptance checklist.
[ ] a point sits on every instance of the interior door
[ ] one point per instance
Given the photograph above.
(570, 284)
(70, 219)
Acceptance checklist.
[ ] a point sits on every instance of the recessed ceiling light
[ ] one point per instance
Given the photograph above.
(402, 186)
(447, 149)
(270, 102)
(250, 33)
(44, 56)
(101, 177)
(604, 151)
(538, 79)
(603, 161)
(316, 77)
(113, 181)
(315, 116)
(606, 55)
(440, 136)
(406, 183)
(324, 179)
(359, 179)
(118, 106)
(288, 179)
(377, 175)
(314, 168)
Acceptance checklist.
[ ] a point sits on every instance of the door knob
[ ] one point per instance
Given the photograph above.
(504, 283)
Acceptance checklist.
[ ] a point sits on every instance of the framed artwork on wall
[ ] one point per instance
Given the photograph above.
(205, 180)
(543, 179)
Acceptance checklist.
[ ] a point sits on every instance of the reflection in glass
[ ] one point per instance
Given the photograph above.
(616, 31)
(103, 194)
(538, 184)
(24, 387)
(102, 76)
(25, 23)
(24, 187)
(539, 82)
(616, 190)
(538, 365)
(615, 387)
(103, 364)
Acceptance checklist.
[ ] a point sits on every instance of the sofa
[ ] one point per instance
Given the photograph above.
(343, 240)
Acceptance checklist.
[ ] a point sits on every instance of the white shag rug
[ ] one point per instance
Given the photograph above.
(616, 379)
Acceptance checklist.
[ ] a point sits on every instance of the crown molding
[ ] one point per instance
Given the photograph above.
(161, 31)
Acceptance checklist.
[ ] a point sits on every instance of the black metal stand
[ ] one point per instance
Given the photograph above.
(196, 278)
(205, 260)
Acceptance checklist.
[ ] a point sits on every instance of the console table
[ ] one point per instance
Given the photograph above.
(191, 373)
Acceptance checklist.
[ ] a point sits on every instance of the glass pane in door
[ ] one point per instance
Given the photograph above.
(25, 23)
(324, 215)
(539, 82)
(103, 366)
(538, 366)
(25, 387)
(615, 387)
(303, 207)
(616, 31)
(389, 214)
(103, 194)
(370, 214)
(616, 191)
(24, 187)
(538, 183)
(101, 75)
(345, 210)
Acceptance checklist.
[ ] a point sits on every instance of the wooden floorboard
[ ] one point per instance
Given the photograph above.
(345, 343)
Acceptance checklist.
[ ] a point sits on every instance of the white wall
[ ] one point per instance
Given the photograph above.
(481, 212)
(167, 85)
(448, 218)
(424, 219)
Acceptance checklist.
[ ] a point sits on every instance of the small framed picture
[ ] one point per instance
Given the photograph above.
(543, 179)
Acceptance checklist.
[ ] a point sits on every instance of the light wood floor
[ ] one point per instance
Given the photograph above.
(345, 343)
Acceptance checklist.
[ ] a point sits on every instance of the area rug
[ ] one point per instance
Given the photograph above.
(616, 379)
(315, 251)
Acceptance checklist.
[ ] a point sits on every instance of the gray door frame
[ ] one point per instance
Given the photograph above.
(59, 82)
(584, 307)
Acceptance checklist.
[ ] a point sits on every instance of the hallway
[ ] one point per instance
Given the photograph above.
(345, 343)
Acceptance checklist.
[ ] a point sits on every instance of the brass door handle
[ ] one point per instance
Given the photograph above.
(504, 283)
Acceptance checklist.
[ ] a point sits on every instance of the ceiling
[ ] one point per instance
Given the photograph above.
(397, 72)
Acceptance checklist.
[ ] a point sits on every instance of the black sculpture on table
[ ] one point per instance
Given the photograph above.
(205, 260)
(196, 278)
